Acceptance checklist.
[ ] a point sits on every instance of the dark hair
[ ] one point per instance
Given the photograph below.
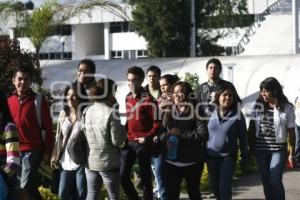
(154, 69)
(23, 69)
(103, 88)
(273, 86)
(89, 63)
(187, 90)
(215, 61)
(221, 90)
(81, 95)
(137, 71)
(171, 79)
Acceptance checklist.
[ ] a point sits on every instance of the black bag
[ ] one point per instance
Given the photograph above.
(77, 148)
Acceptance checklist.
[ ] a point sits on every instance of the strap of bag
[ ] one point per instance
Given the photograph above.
(38, 110)
(65, 143)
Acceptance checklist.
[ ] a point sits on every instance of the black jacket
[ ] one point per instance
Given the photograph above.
(192, 137)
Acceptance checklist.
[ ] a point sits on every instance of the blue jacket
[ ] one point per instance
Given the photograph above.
(225, 133)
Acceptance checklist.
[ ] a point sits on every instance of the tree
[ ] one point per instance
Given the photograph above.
(214, 14)
(11, 56)
(39, 23)
(166, 24)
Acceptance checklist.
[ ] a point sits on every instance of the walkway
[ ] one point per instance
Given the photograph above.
(250, 188)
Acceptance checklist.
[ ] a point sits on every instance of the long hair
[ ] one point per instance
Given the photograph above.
(273, 86)
(81, 94)
(234, 105)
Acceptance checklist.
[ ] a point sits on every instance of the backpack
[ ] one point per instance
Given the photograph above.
(38, 109)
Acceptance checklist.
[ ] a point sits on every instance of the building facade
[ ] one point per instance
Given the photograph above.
(95, 34)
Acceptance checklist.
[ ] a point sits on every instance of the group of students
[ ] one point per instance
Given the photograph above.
(168, 126)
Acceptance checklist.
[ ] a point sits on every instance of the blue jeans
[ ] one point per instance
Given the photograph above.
(221, 170)
(72, 184)
(297, 144)
(112, 182)
(158, 163)
(271, 165)
(30, 162)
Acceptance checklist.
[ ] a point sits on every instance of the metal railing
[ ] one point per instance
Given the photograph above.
(253, 27)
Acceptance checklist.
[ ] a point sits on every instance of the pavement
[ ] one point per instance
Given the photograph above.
(250, 187)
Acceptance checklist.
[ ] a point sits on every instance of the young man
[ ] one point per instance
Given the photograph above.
(153, 88)
(142, 125)
(153, 76)
(206, 91)
(33, 147)
(85, 74)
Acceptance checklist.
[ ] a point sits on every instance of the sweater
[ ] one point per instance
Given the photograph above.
(142, 116)
(225, 133)
(9, 150)
(24, 116)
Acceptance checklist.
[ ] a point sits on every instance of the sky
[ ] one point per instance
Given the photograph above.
(39, 2)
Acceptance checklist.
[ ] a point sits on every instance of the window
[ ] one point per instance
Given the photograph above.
(116, 54)
(115, 27)
(56, 55)
(120, 27)
(62, 30)
(142, 53)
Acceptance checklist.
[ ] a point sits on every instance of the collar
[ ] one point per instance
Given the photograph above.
(214, 83)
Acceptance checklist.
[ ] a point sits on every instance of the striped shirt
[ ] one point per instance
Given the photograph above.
(266, 139)
(9, 150)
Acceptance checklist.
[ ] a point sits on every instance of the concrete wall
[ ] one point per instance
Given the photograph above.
(88, 40)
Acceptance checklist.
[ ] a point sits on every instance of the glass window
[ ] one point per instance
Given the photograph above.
(115, 27)
(125, 27)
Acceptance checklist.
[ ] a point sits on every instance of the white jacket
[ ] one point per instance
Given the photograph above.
(104, 134)
(282, 121)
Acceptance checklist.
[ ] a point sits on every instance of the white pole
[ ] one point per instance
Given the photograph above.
(193, 31)
(295, 26)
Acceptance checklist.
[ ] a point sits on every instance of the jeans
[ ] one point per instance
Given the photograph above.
(158, 165)
(30, 162)
(111, 181)
(221, 170)
(271, 165)
(192, 176)
(297, 145)
(72, 184)
(141, 152)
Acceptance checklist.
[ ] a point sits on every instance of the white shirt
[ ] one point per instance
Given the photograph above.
(66, 162)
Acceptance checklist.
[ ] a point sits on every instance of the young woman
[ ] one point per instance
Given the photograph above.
(272, 125)
(226, 128)
(72, 176)
(164, 102)
(104, 134)
(183, 144)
